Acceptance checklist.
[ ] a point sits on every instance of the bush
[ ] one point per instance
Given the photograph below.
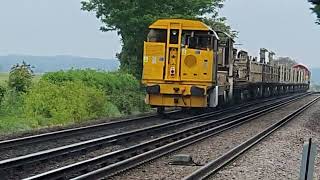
(67, 102)
(129, 102)
(20, 77)
(110, 82)
(12, 103)
(65, 97)
(13, 123)
(2, 93)
(122, 88)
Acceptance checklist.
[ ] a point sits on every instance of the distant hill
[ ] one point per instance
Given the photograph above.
(315, 75)
(54, 63)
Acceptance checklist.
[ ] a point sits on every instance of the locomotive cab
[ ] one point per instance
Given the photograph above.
(186, 64)
(179, 64)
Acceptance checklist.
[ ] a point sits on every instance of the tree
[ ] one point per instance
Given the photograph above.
(132, 18)
(316, 9)
(219, 24)
(20, 77)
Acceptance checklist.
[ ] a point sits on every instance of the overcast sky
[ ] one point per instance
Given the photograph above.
(285, 26)
(53, 27)
(59, 27)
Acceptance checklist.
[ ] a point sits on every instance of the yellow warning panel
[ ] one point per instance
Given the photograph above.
(197, 65)
(153, 61)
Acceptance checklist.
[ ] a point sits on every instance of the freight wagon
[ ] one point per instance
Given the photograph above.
(187, 64)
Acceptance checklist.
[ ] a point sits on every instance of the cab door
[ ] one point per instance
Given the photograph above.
(153, 61)
(154, 55)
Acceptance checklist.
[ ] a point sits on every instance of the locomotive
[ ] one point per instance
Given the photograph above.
(189, 65)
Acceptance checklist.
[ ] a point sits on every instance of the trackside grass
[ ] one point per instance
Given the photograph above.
(69, 97)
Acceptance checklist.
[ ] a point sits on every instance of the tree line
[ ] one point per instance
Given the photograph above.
(131, 18)
(316, 9)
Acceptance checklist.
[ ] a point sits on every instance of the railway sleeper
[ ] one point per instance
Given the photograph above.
(168, 137)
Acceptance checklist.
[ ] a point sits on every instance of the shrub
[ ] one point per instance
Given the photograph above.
(12, 102)
(110, 82)
(121, 88)
(129, 102)
(20, 77)
(66, 102)
(2, 93)
(13, 123)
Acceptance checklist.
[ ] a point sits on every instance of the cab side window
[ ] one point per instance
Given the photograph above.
(157, 35)
(199, 42)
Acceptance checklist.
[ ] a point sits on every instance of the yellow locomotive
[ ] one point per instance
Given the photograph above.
(179, 64)
(187, 65)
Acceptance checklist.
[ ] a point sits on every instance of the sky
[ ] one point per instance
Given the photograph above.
(53, 27)
(59, 27)
(284, 26)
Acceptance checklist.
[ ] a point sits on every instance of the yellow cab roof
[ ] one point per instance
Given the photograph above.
(185, 24)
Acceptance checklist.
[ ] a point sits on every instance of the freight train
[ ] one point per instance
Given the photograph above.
(187, 64)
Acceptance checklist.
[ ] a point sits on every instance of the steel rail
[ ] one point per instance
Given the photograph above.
(11, 143)
(118, 161)
(111, 139)
(121, 166)
(217, 164)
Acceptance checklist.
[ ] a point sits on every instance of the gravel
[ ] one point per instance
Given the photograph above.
(208, 149)
(37, 168)
(59, 162)
(63, 161)
(279, 156)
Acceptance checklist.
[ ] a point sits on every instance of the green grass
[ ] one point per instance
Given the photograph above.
(14, 123)
(5, 76)
(62, 98)
(11, 123)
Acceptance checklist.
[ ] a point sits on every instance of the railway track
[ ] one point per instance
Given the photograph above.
(215, 165)
(27, 145)
(97, 143)
(30, 144)
(138, 121)
(115, 162)
(13, 143)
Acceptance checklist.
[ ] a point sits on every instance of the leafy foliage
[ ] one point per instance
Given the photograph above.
(122, 89)
(110, 82)
(12, 102)
(129, 101)
(70, 97)
(20, 77)
(2, 92)
(132, 18)
(219, 24)
(15, 123)
(65, 103)
(316, 9)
